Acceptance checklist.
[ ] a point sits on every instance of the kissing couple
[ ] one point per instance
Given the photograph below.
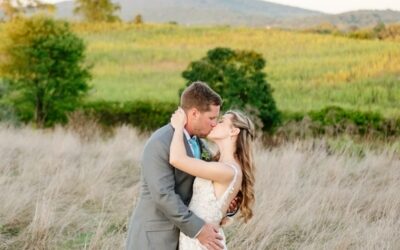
(185, 194)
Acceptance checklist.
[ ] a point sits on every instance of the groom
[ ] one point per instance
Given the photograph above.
(162, 210)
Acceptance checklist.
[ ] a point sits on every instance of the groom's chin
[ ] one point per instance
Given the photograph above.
(203, 136)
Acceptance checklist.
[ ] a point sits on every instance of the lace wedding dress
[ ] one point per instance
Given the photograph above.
(205, 204)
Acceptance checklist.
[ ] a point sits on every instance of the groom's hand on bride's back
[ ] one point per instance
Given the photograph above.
(234, 206)
(232, 210)
(210, 238)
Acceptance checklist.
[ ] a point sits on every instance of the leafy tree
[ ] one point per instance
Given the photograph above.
(9, 9)
(379, 27)
(97, 10)
(13, 9)
(138, 19)
(6, 109)
(239, 78)
(391, 32)
(43, 65)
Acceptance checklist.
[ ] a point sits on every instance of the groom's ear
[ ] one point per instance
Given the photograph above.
(193, 112)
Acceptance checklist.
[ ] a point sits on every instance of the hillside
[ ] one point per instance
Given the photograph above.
(347, 20)
(307, 71)
(239, 12)
(233, 12)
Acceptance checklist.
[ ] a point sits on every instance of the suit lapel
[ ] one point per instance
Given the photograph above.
(187, 146)
(179, 173)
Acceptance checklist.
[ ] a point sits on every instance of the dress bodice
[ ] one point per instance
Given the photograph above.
(207, 206)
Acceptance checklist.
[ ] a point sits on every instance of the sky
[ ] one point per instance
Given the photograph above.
(331, 6)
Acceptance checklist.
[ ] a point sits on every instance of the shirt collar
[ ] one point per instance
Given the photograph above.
(187, 134)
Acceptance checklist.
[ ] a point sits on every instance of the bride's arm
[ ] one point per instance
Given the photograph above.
(214, 171)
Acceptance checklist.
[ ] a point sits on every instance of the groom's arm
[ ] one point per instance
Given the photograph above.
(159, 176)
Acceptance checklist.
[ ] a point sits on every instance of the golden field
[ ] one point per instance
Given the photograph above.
(60, 190)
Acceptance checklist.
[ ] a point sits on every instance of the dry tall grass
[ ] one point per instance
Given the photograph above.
(61, 192)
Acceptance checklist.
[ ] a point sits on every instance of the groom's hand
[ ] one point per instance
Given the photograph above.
(210, 238)
(234, 205)
(226, 221)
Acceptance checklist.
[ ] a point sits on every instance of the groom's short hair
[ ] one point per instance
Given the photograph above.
(199, 95)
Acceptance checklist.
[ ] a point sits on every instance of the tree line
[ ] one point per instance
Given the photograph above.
(88, 10)
(380, 31)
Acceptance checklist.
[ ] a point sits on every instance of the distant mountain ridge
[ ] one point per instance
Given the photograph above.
(360, 18)
(238, 12)
(198, 12)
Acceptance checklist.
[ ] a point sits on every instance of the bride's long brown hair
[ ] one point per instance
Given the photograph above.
(244, 156)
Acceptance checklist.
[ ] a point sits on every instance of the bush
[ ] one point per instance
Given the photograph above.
(391, 32)
(147, 116)
(239, 78)
(323, 28)
(335, 121)
(362, 34)
(380, 31)
(43, 64)
(340, 119)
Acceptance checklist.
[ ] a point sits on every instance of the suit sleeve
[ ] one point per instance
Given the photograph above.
(160, 179)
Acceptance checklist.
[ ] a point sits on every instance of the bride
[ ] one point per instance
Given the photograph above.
(217, 182)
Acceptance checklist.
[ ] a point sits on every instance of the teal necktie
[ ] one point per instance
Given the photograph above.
(195, 147)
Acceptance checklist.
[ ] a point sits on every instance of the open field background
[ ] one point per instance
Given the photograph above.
(307, 71)
(60, 191)
(68, 188)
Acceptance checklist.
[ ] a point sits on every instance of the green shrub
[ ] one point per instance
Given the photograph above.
(341, 119)
(332, 121)
(238, 76)
(362, 34)
(336, 120)
(146, 116)
(391, 32)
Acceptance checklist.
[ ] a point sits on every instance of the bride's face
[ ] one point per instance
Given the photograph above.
(223, 129)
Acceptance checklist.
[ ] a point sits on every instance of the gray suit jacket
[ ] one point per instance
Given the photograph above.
(162, 209)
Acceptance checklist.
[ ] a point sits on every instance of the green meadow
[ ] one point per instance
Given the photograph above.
(307, 71)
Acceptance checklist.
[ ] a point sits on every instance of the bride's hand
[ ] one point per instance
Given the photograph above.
(178, 119)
